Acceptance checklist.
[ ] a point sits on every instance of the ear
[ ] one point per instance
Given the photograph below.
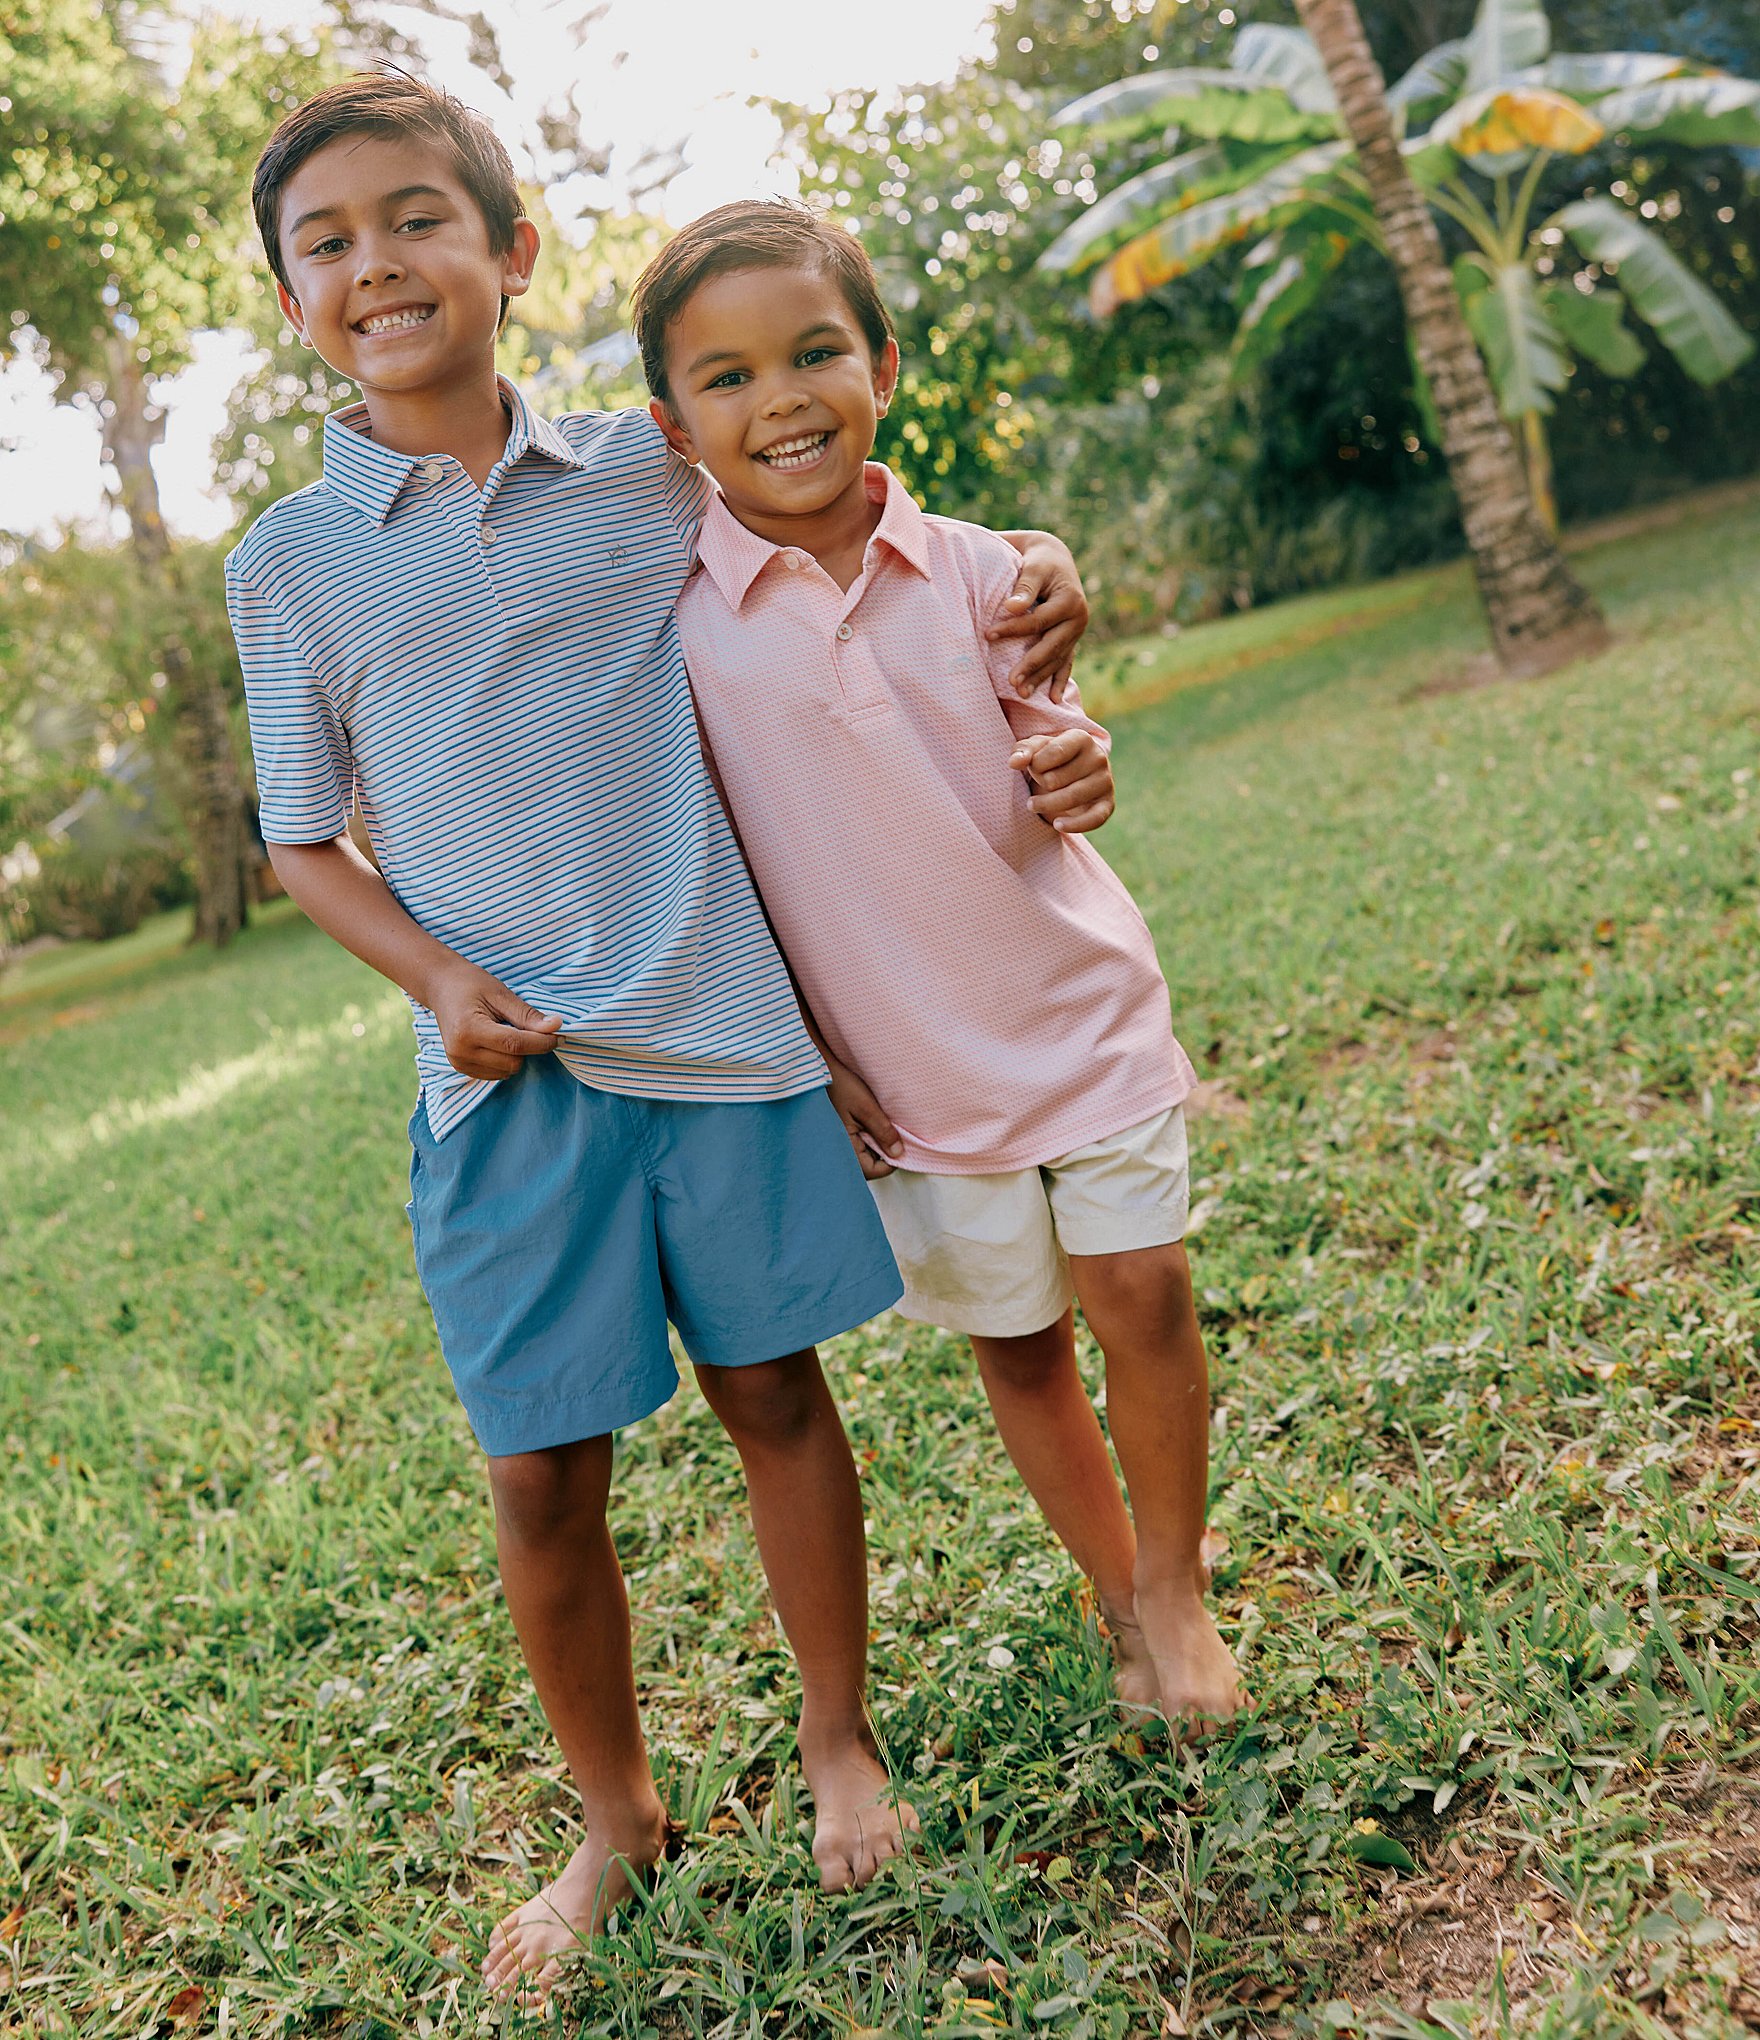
(677, 437)
(520, 260)
(886, 377)
(291, 312)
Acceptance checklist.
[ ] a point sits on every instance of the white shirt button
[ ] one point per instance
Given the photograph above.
(791, 560)
(845, 632)
(430, 471)
(488, 534)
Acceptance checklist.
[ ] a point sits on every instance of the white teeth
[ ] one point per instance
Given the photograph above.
(395, 322)
(795, 453)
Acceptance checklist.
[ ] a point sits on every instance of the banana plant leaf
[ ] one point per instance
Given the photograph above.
(1189, 239)
(1301, 265)
(1586, 74)
(1140, 201)
(1438, 74)
(1705, 112)
(1523, 350)
(1665, 294)
(1507, 36)
(1512, 119)
(1216, 105)
(1286, 57)
(1592, 323)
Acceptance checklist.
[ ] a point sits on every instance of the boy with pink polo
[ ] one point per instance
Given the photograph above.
(984, 989)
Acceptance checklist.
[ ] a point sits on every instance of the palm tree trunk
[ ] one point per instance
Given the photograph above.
(1540, 614)
(209, 792)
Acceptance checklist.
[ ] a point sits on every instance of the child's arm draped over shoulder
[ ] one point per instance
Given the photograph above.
(1058, 745)
(488, 1029)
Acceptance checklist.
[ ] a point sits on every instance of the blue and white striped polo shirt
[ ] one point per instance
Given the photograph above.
(496, 680)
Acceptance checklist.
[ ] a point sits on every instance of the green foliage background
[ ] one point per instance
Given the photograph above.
(1187, 487)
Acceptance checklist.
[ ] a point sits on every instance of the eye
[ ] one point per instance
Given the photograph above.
(327, 246)
(420, 221)
(814, 355)
(728, 379)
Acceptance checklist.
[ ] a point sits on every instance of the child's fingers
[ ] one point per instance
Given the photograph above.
(879, 1129)
(1084, 818)
(505, 1024)
(1050, 657)
(1056, 757)
(520, 1041)
(1084, 796)
(874, 1165)
(480, 1063)
(1078, 792)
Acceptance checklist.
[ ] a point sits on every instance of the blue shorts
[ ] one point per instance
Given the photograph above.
(557, 1228)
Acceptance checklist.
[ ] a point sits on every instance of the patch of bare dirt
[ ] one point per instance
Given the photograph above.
(1212, 1099)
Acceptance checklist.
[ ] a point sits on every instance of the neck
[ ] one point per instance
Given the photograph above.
(836, 536)
(468, 421)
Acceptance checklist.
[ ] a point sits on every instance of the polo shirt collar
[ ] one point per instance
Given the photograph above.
(370, 477)
(734, 557)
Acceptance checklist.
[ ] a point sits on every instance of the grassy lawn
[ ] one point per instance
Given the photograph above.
(1475, 977)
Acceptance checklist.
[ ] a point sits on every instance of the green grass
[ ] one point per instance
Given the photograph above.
(1476, 975)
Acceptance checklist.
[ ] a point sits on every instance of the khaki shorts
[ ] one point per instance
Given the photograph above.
(990, 1254)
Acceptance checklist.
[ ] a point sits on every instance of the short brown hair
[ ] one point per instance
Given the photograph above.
(389, 102)
(752, 233)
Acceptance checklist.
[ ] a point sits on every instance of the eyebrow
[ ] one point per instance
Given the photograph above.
(392, 198)
(716, 354)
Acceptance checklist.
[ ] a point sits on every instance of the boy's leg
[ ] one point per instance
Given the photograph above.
(807, 1512)
(1140, 1308)
(1054, 1438)
(566, 1595)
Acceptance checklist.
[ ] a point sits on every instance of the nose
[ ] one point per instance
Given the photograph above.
(783, 399)
(376, 263)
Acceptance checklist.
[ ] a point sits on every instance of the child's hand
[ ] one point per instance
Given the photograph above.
(1048, 605)
(1072, 776)
(488, 1030)
(867, 1125)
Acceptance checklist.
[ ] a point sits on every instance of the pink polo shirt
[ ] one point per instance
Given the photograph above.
(990, 978)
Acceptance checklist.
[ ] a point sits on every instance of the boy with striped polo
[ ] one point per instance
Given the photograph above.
(466, 630)
(995, 1021)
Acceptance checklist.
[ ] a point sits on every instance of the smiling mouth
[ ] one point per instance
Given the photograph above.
(394, 322)
(788, 456)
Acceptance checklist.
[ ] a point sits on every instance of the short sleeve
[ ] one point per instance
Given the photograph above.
(688, 493)
(305, 776)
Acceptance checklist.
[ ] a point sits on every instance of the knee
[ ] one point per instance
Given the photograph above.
(1031, 1365)
(773, 1403)
(541, 1496)
(1152, 1286)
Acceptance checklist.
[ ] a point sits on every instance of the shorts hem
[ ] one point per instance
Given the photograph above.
(981, 1321)
(540, 1426)
(853, 1304)
(1126, 1232)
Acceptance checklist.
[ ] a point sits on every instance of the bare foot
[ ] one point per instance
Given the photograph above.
(1134, 1684)
(860, 1820)
(1199, 1682)
(527, 1948)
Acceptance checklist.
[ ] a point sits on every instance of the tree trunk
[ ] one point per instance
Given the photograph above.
(209, 791)
(1540, 614)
